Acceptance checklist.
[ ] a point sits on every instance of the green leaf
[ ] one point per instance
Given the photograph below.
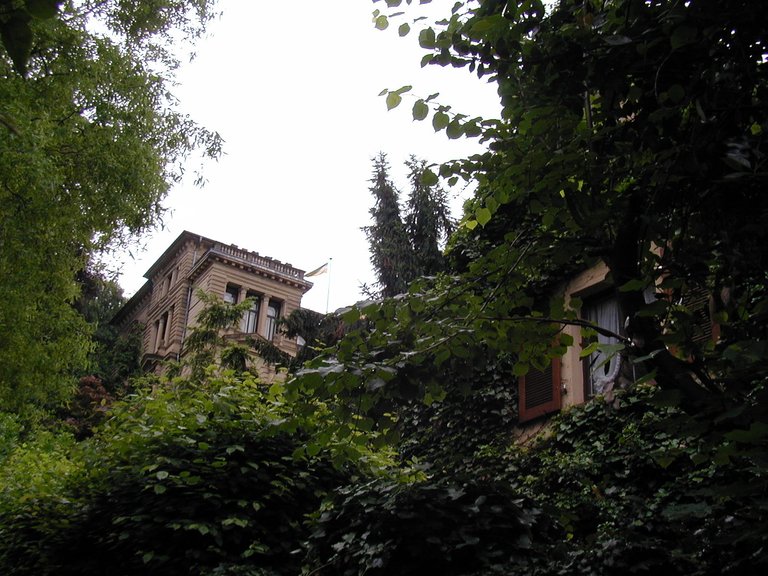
(403, 29)
(393, 100)
(587, 350)
(420, 110)
(381, 22)
(657, 308)
(520, 369)
(636, 285)
(427, 38)
(757, 431)
(472, 130)
(682, 511)
(610, 349)
(617, 40)
(483, 216)
(440, 120)
(676, 93)
(428, 178)
(667, 398)
(454, 130)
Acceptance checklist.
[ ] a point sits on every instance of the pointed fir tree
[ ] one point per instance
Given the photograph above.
(427, 220)
(391, 252)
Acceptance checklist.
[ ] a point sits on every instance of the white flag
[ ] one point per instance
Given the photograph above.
(317, 271)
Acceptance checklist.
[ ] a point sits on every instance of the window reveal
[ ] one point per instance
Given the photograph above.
(601, 369)
(231, 293)
(273, 313)
(250, 321)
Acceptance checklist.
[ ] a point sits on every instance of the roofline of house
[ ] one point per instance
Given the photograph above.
(264, 265)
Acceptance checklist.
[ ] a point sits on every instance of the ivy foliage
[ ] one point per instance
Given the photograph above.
(640, 486)
(444, 525)
(632, 133)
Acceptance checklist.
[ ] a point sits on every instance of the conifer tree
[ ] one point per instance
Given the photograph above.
(404, 247)
(391, 252)
(427, 220)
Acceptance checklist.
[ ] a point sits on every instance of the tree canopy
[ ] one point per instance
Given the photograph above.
(91, 143)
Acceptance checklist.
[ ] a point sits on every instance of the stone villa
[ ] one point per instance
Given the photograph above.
(167, 304)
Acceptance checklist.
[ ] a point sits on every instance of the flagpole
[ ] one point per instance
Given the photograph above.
(328, 293)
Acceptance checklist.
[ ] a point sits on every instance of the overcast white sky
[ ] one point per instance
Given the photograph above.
(292, 87)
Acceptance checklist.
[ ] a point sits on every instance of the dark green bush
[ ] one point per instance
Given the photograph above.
(181, 480)
(438, 526)
(36, 506)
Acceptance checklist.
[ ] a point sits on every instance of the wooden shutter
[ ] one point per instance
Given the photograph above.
(539, 392)
(696, 301)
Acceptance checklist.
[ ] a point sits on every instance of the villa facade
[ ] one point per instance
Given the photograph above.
(167, 305)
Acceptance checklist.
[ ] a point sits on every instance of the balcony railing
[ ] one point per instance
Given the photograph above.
(253, 258)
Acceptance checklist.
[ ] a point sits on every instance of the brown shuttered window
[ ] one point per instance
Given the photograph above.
(697, 302)
(539, 392)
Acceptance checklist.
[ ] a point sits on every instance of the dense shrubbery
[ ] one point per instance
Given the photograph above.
(472, 420)
(215, 479)
(645, 487)
(440, 525)
(180, 480)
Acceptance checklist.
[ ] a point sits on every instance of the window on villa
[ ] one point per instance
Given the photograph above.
(601, 369)
(539, 392)
(250, 321)
(231, 294)
(168, 326)
(273, 314)
(163, 330)
(157, 335)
